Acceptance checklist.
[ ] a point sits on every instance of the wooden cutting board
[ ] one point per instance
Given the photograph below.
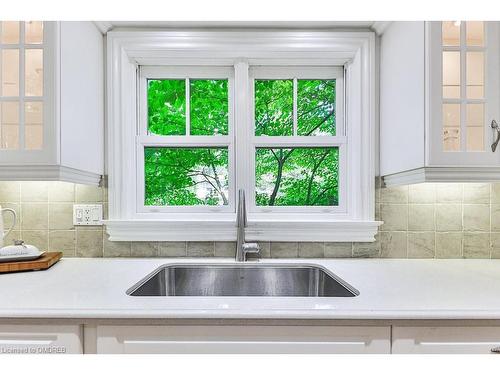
(47, 260)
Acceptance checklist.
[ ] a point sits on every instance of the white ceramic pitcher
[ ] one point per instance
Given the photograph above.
(4, 233)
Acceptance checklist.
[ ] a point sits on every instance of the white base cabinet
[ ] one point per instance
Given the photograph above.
(40, 339)
(243, 339)
(445, 340)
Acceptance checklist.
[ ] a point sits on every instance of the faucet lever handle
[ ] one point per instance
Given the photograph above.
(251, 247)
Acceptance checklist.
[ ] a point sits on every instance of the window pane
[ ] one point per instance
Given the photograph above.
(475, 138)
(316, 107)
(274, 107)
(186, 176)
(297, 176)
(475, 75)
(33, 32)
(34, 72)
(451, 33)
(33, 117)
(451, 74)
(451, 115)
(10, 72)
(9, 129)
(475, 33)
(451, 139)
(10, 32)
(209, 106)
(167, 107)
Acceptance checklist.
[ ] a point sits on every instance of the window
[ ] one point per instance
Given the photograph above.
(209, 113)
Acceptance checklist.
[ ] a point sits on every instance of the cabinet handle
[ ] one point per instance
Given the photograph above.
(496, 350)
(494, 125)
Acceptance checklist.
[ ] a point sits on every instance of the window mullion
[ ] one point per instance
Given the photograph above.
(188, 108)
(295, 106)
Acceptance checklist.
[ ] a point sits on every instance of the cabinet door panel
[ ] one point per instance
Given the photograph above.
(445, 340)
(40, 339)
(463, 72)
(242, 339)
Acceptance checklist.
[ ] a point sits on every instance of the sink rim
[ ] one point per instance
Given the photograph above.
(145, 279)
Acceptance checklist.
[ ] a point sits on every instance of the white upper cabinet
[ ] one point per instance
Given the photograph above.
(51, 101)
(439, 96)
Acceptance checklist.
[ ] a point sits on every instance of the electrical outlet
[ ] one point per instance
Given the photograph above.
(87, 214)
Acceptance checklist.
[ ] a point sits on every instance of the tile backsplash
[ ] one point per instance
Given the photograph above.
(420, 221)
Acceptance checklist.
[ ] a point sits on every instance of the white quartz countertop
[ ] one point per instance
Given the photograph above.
(389, 289)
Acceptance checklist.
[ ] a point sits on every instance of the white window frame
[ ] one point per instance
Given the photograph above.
(184, 141)
(129, 50)
(339, 140)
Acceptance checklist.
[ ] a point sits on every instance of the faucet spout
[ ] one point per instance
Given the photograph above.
(242, 248)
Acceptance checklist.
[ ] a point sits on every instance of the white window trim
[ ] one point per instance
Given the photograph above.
(129, 49)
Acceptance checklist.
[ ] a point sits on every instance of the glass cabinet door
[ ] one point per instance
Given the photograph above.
(464, 64)
(23, 93)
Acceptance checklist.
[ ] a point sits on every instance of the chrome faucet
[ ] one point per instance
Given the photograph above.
(243, 248)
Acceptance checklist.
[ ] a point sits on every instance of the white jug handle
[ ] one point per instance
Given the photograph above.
(14, 215)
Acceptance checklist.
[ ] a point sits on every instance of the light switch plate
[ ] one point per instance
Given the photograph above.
(87, 214)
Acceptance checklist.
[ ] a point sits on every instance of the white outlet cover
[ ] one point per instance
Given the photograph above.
(87, 214)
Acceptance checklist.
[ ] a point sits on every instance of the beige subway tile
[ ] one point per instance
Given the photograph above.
(394, 194)
(378, 216)
(495, 245)
(34, 191)
(366, 249)
(394, 216)
(63, 240)
(265, 250)
(449, 193)
(495, 193)
(311, 249)
(476, 193)
(448, 217)
(393, 244)
(172, 249)
(421, 217)
(88, 194)
(449, 245)
(476, 217)
(421, 245)
(120, 249)
(61, 191)
(38, 238)
(495, 217)
(61, 216)
(200, 249)
(89, 243)
(225, 249)
(422, 193)
(284, 249)
(476, 245)
(144, 249)
(10, 191)
(34, 216)
(338, 250)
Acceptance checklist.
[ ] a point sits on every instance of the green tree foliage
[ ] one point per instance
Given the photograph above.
(297, 176)
(284, 176)
(167, 107)
(209, 107)
(185, 176)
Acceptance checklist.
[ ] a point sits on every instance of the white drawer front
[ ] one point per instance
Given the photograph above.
(242, 339)
(445, 340)
(40, 339)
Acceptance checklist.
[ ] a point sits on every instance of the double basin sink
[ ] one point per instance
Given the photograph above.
(252, 280)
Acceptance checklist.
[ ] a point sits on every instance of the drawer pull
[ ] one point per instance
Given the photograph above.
(496, 350)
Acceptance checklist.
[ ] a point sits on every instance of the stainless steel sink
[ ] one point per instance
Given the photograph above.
(242, 280)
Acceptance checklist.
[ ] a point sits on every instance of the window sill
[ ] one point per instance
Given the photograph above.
(225, 230)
